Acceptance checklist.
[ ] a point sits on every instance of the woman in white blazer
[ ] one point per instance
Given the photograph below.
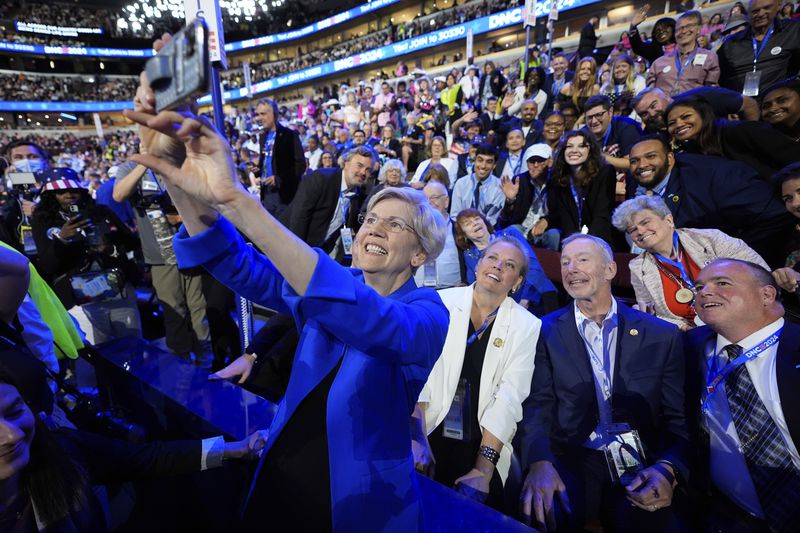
(663, 274)
(468, 410)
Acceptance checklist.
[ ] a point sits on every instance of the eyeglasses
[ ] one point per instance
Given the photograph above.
(390, 224)
(596, 116)
(437, 197)
(687, 27)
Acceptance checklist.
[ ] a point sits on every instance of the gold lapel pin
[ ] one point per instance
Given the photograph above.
(634, 332)
(675, 198)
(498, 342)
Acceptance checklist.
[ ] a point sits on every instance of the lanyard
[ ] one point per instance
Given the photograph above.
(516, 167)
(472, 338)
(676, 245)
(578, 202)
(758, 49)
(680, 66)
(608, 133)
(749, 355)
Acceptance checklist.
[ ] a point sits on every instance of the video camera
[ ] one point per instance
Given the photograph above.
(23, 184)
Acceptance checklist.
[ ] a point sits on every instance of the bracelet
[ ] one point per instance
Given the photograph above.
(491, 454)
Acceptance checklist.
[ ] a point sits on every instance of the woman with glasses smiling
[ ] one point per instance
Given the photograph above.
(338, 455)
(468, 411)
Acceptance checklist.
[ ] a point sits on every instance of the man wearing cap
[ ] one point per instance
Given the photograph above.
(281, 162)
(526, 198)
(767, 51)
(651, 103)
(689, 65)
(82, 247)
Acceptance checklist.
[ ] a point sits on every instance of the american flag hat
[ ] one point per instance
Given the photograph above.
(59, 179)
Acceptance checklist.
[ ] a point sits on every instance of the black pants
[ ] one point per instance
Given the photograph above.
(594, 497)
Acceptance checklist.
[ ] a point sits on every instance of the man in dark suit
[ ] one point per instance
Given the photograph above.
(282, 161)
(750, 415)
(329, 201)
(600, 365)
(712, 192)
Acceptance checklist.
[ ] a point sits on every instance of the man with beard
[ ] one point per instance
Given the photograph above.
(530, 127)
(651, 103)
(711, 192)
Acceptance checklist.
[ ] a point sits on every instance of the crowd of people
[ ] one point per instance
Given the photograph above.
(264, 21)
(672, 408)
(32, 87)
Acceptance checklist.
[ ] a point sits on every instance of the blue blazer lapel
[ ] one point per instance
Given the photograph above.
(788, 377)
(629, 338)
(573, 344)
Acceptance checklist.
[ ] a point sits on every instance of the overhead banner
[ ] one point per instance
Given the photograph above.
(313, 28)
(478, 26)
(60, 31)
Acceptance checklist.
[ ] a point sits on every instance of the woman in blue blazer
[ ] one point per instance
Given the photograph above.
(338, 455)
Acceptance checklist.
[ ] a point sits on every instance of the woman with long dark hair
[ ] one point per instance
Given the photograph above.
(581, 194)
(694, 127)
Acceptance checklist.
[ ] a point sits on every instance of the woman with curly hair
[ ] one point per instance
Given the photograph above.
(581, 194)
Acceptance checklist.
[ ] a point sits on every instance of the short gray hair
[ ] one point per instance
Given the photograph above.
(392, 164)
(622, 216)
(601, 245)
(644, 92)
(363, 151)
(428, 223)
(693, 14)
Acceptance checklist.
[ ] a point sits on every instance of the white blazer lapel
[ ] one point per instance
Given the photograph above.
(496, 353)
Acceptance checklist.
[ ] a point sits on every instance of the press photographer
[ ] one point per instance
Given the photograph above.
(25, 159)
(85, 253)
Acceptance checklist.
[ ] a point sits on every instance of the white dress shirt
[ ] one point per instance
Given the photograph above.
(601, 348)
(729, 471)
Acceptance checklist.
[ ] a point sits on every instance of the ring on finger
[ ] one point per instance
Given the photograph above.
(655, 493)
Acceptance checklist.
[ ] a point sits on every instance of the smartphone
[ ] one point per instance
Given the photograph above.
(181, 70)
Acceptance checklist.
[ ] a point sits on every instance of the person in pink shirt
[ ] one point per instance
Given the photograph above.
(384, 105)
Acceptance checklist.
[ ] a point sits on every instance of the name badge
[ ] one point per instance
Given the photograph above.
(26, 238)
(455, 425)
(667, 69)
(700, 59)
(752, 80)
(624, 455)
(347, 241)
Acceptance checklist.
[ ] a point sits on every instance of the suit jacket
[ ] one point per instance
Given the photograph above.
(703, 246)
(515, 213)
(288, 161)
(314, 206)
(548, 86)
(384, 365)
(647, 390)
(787, 367)
(505, 376)
(712, 192)
(463, 166)
(562, 213)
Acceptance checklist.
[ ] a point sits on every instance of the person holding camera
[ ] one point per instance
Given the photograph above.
(84, 254)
